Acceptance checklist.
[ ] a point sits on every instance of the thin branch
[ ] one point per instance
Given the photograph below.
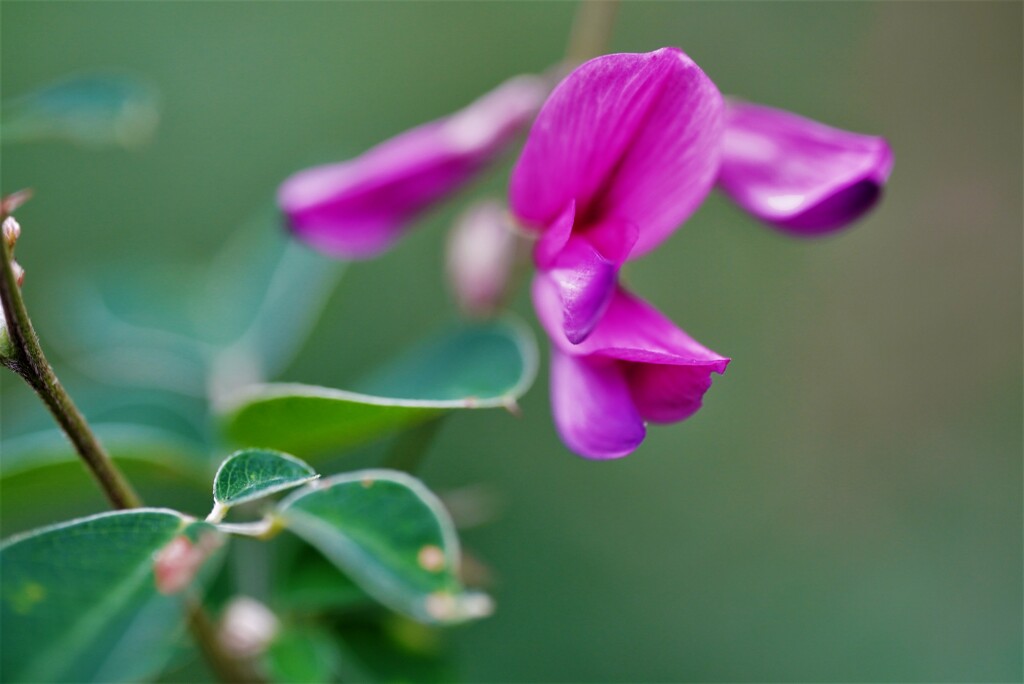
(31, 364)
(26, 358)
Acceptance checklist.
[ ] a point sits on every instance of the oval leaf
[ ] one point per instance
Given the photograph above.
(392, 536)
(255, 473)
(478, 366)
(98, 599)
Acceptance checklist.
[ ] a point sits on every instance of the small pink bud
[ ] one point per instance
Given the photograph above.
(11, 232)
(481, 254)
(176, 564)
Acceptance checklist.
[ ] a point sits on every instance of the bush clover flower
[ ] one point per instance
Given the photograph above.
(623, 151)
(798, 175)
(620, 154)
(357, 209)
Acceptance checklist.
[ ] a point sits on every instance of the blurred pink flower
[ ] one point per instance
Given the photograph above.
(623, 151)
(635, 366)
(799, 175)
(359, 208)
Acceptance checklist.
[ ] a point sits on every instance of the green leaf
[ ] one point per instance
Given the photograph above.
(303, 654)
(82, 601)
(163, 330)
(312, 584)
(394, 650)
(97, 110)
(473, 366)
(255, 473)
(392, 536)
(123, 441)
(272, 290)
(163, 467)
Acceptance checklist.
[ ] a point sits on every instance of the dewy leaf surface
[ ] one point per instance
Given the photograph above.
(79, 601)
(255, 473)
(392, 536)
(471, 366)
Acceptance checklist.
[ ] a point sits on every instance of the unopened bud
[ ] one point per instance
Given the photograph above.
(19, 273)
(176, 564)
(481, 255)
(247, 627)
(11, 232)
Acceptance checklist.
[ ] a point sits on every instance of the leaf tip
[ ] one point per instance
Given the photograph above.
(512, 406)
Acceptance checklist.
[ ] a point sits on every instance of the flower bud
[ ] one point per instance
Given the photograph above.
(11, 232)
(481, 253)
(247, 627)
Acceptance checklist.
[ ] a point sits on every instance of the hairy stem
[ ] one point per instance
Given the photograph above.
(30, 363)
(591, 30)
(26, 358)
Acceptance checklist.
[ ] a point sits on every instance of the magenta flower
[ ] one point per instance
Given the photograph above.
(359, 208)
(635, 366)
(622, 152)
(799, 175)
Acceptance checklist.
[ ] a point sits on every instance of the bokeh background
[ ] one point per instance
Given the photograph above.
(846, 507)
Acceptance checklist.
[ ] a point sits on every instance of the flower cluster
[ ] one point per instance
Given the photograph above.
(621, 153)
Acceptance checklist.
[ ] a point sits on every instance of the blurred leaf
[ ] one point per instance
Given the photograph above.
(271, 292)
(159, 327)
(394, 651)
(123, 442)
(80, 600)
(392, 536)
(303, 654)
(473, 366)
(255, 473)
(312, 584)
(28, 499)
(96, 110)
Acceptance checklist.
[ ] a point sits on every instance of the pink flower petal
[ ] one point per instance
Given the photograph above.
(359, 208)
(667, 394)
(630, 330)
(799, 175)
(592, 407)
(629, 137)
(665, 371)
(554, 239)
(585, 280)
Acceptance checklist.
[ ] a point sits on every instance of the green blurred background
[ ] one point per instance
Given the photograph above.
(846, 507)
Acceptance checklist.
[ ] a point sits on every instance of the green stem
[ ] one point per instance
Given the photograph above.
(26, 358)
(591, 30)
